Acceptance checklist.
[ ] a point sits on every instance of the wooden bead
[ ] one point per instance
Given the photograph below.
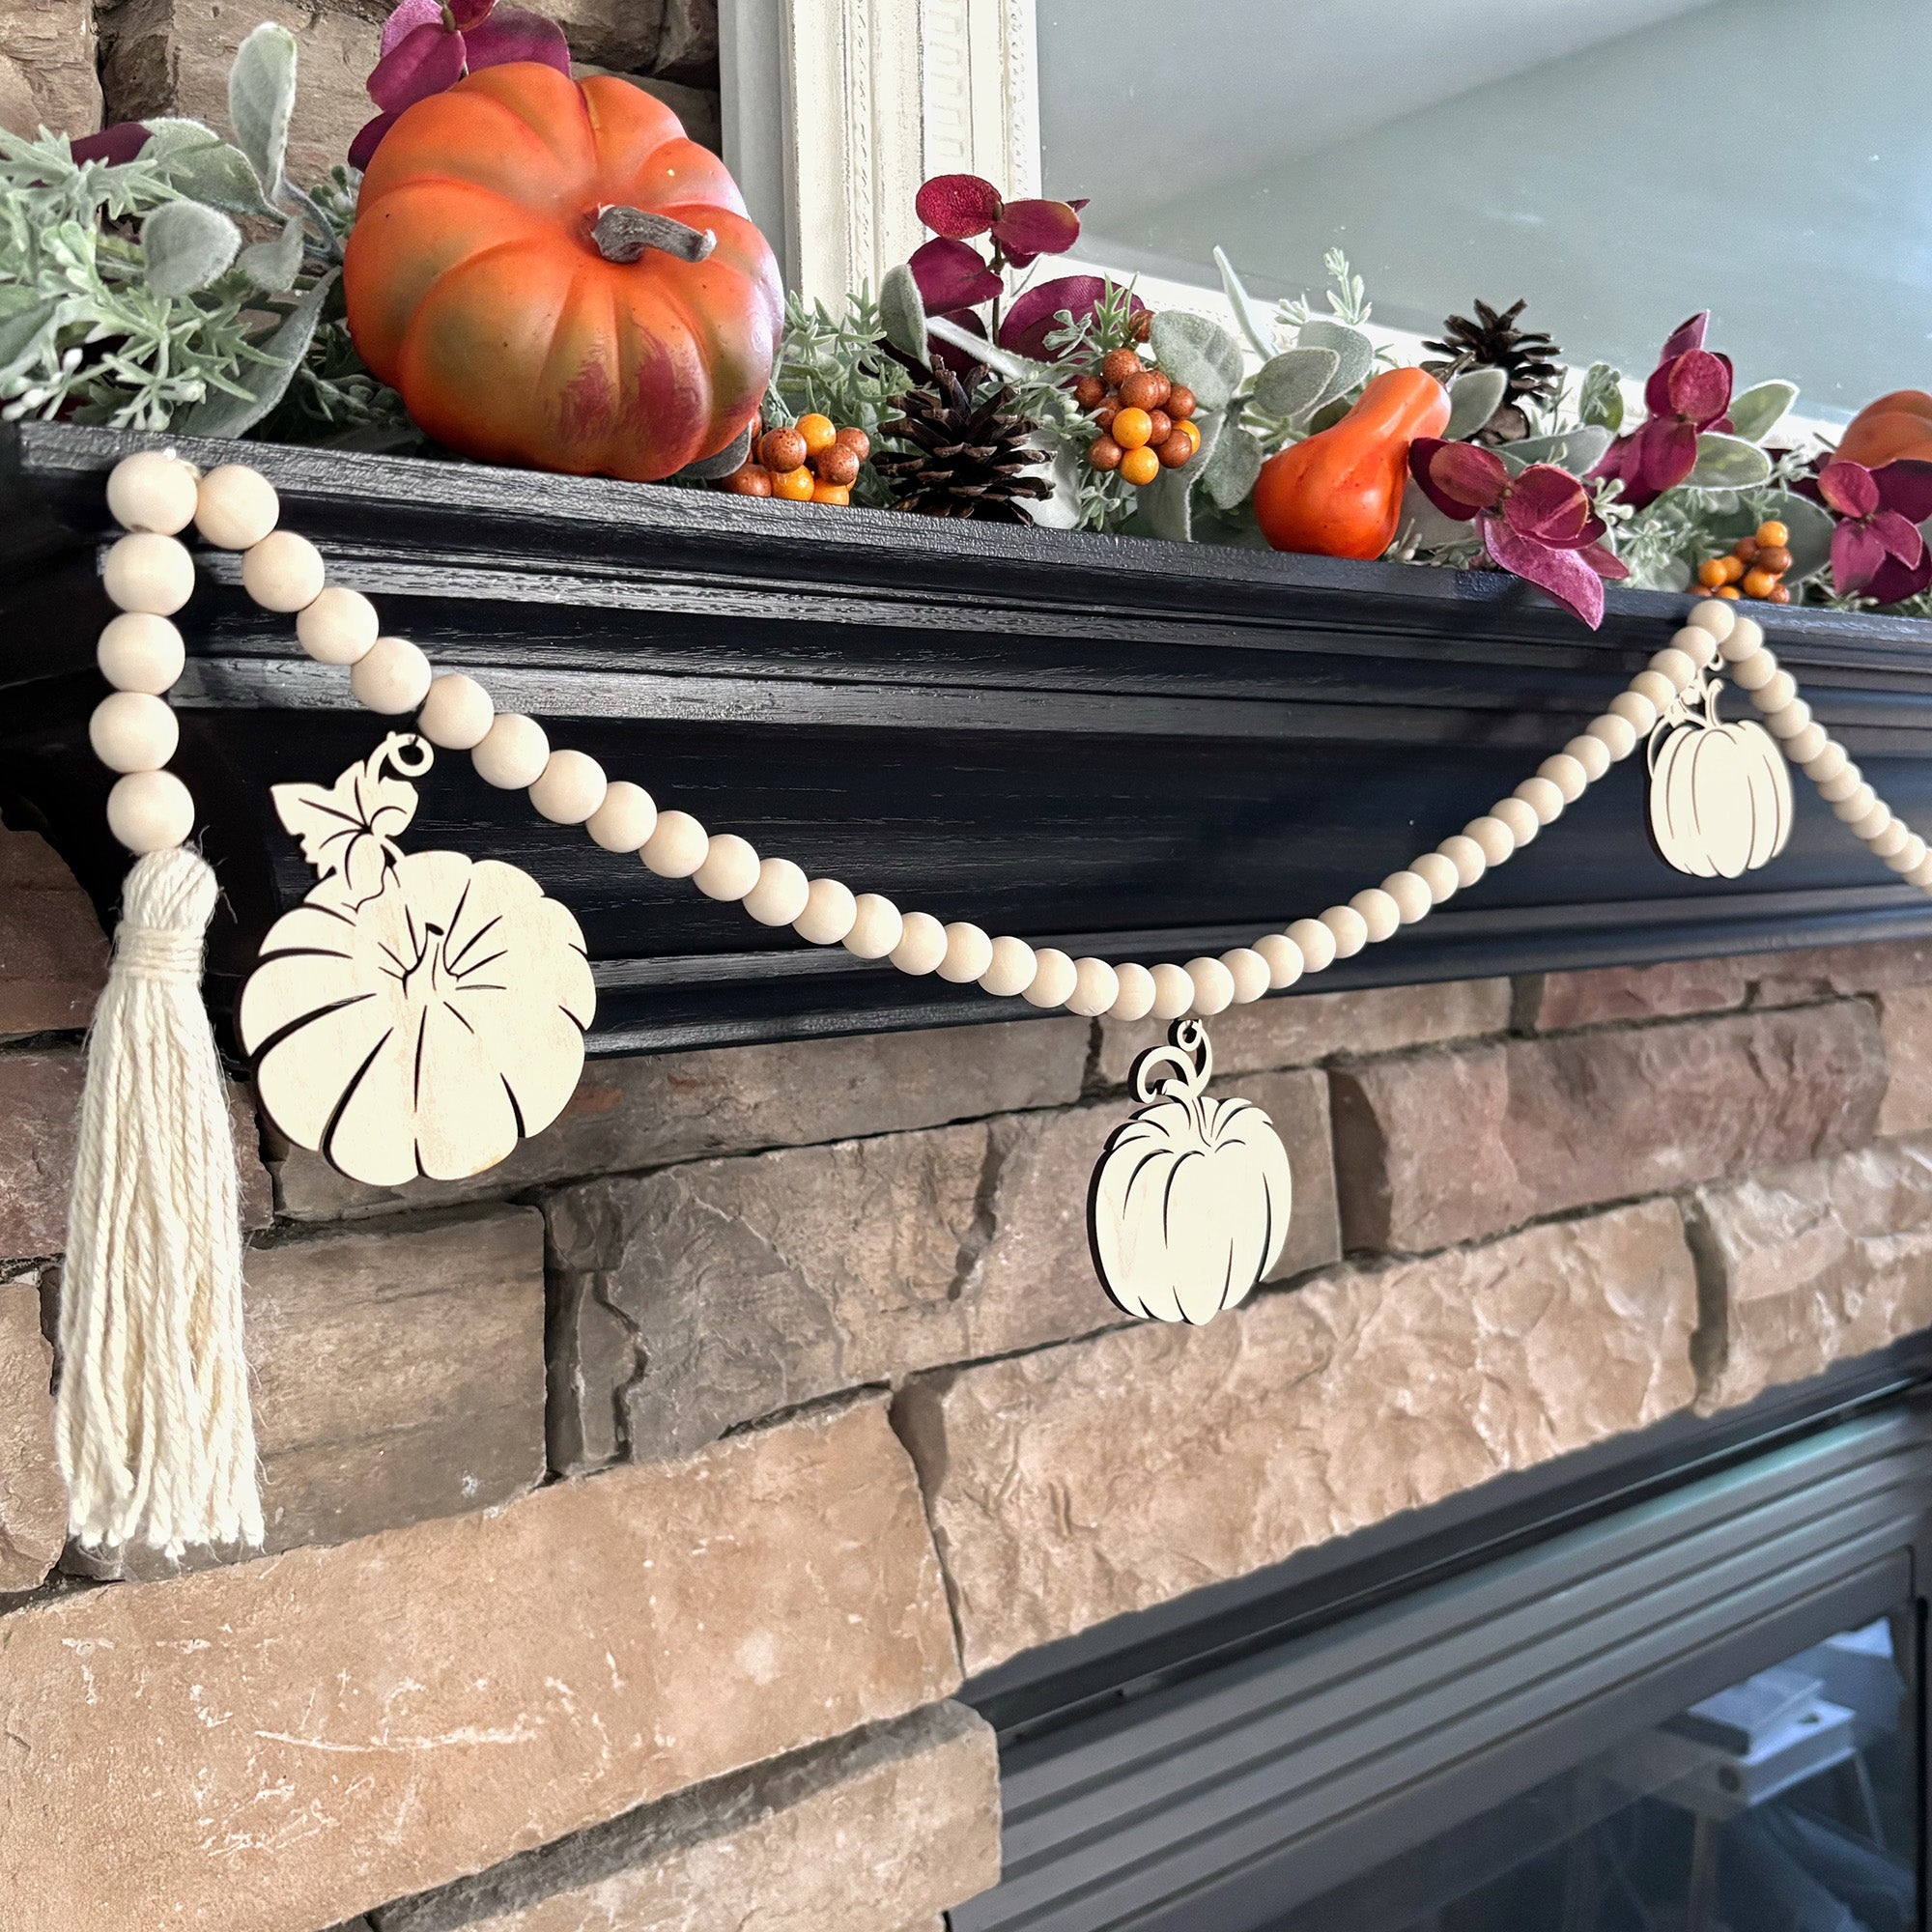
(149, 573)
(1744, 639)
(1248, 970)
(1496, 840)
(1096, 988)
(152, 491)
(457, 715)
(1521, 818)
(877, 927)
(1315, 943)
(1173, 992)
(1825, 763)
(1615, 733)
(677, 847)
(1676, 667)
(1920, 875)
(1054, 977)
(283, 572)
(1855, 803)
(339, 627)
(1655, 686)
(1380, 916)
(1134, 1001)
(730, 868)
(626, 818)
(1849, 778)
(1756, 670)
(1213, 987)
(1909, 856)
(1566, 774)
(969, 952)
(149, 812)
(513, 751)
(1592, 753)
(1695, 643)
(1789, 719)
(1880, 829)
(1010, 968)
(133, 732)
(1542, 797)
(1714, 615)
(1435, 872)
(571, 786)
(1466, 855)
(236, 507)
(830, 911)
(1806, 744)
(139, 652)
(1635, 710)
(1283, 957)
(1410, 894)
(780, 893)
(1349, 929)
(392, 677)
(1776, 694)
(922, 945)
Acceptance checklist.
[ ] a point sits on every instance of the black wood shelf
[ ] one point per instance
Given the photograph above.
(1119, 747)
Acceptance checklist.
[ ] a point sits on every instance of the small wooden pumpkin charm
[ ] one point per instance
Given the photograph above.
(419, 1011)
(1719, 794)
(1190, 1201)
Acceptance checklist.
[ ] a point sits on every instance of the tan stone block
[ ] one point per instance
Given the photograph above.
(708, 1294)
(1823, 972)
(615, 36)
(39, 1119)
(1449, 1146)
(173, 56)
(53, 955)
(1813, 1265)
(871, 1832)
(1905, 1025)
(1085, 1480)
(285, 1743)
(1299, 1029)
(46, 69)
(688, 46)
(649, 1111)
(1555, 1002)
(33, 1499)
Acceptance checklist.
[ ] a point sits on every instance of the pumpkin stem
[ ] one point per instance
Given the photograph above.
(623, 234)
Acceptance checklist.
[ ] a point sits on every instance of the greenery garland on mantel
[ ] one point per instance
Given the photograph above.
(160, 276)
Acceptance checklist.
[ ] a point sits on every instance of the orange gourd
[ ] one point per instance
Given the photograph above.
(1894, 427)
(1339, 492)
(530, 268)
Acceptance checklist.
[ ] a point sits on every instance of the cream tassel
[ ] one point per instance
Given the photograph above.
(157, 1441)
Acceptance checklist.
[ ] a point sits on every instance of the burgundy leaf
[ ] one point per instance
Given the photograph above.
(1685, 337)
(1605, 563)
(1592, 530)
(1900, 539)
(952, 276)
(1894, 582)
(1027, 229)
(406, 19)
(958, 206)
(1855, 555)
(1459, 478)
(469, 15)
(511, 34)
(1549, 505)
(1666, 454)
(368, 138)
(961, 361)
(116, 145)
(1699, 387)
(1034, 314)
(1562, 573)
(425, 61)
(1657, 389)
(1848, 487)
(1904, 486)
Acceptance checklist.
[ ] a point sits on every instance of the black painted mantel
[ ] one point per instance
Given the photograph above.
(1133, 749)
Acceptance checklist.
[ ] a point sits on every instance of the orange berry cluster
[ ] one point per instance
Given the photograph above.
(1145, 420)
(1755, 568)
(811, 460)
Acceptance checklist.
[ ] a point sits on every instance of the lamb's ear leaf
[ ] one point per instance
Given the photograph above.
(1474, 397)
(1196, 351)
(261, 98)
(1231, 468)
(187, 246)
(267, 382)
(1758, 411)
(1249, 313)
(903, 311)
(1728, 463)
(274, 265)
(1355, 353)
(1292, 384)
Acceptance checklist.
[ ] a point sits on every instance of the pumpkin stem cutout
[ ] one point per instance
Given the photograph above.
(419, 1012)
(1189, 1203)
(1720, 800)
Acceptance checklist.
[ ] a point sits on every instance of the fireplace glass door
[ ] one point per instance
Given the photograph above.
(1785, 1802)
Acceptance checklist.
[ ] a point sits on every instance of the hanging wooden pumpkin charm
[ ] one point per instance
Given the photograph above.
(419, 1012)
(1189, 1204)
(1719, 794)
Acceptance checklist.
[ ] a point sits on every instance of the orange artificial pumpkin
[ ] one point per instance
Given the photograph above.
(1339, 492)
(1894, 427)
(531, 267)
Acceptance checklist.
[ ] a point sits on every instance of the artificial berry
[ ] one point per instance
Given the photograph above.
(1773, 557)
(1772, 532)
(1780, 594)
(1179, 403)
(1104, 453)
(1161, 427)
(1146, 389)
(1142, 324)
(838, 465)
(1759, 582)
(782, 450)
(1727, 590)
(1131, 428)
(854, 438)
(1733, 568)
(1103, 416)
(830, 493)
(1189, 428)
(754, 479)
(1119, 365)
(1177, 448)
(1139, 466)
(1089, 392)
(819, 431)
(794, 485)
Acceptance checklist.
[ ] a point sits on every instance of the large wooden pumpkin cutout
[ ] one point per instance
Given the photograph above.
(419, 1012)
(1721, 799)
(1190, 1206)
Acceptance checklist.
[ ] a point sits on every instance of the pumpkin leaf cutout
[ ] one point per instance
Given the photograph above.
(1728, 463)
(1355, 353)
(1290, 384)
(1474, 397)
(902, 312)
(187, 246)
(1253, 318)
(268, 381)
(1196, 353)
(1721, 799)
(261, 98)
(1759, 411)
(349, 830)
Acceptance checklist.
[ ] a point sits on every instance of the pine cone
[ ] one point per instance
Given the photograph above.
(1528, 358)
(967, 455)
